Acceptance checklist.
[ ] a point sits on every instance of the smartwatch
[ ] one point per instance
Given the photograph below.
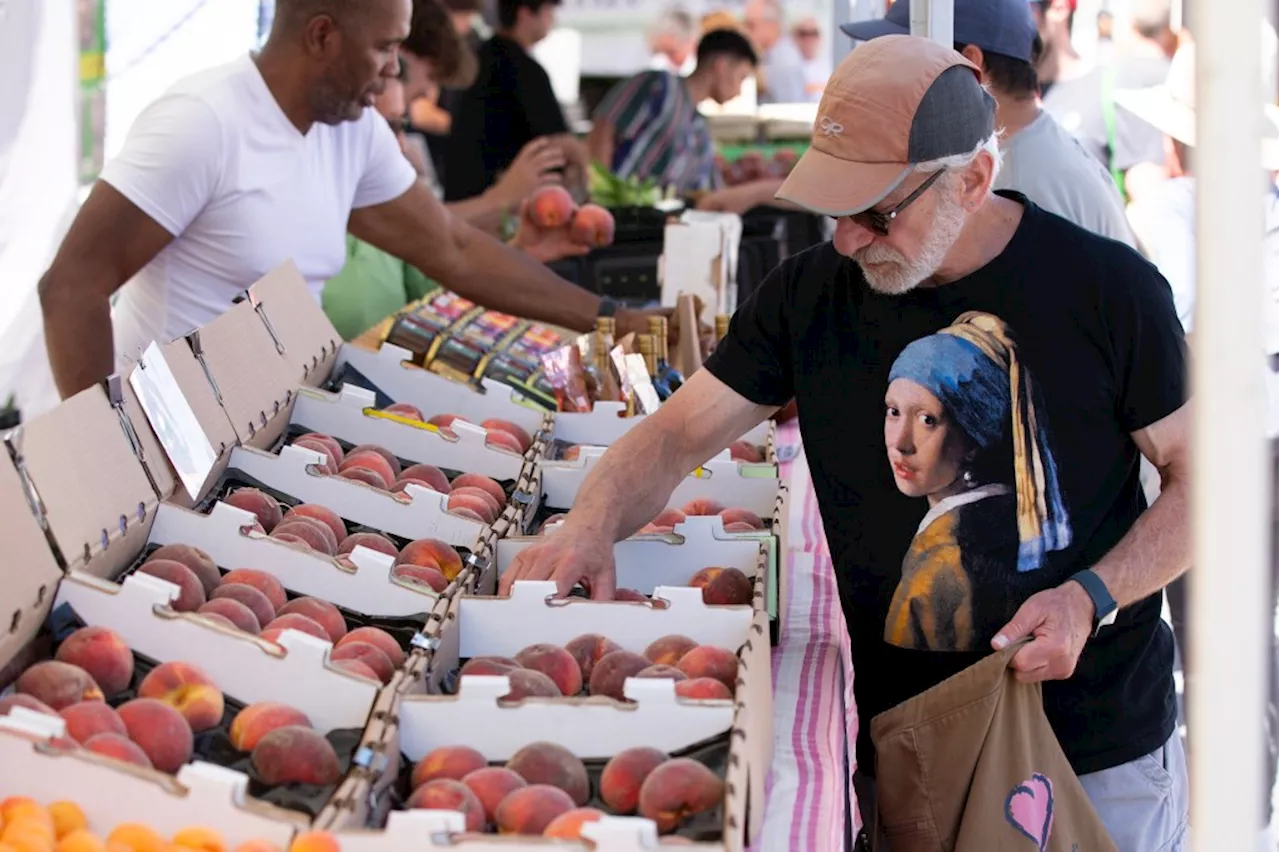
(608, 307)
(1104, 606)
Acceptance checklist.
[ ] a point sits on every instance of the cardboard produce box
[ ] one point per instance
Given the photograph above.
(606, 423)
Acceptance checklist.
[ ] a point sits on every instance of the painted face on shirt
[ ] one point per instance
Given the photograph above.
(359, 59)
(926, 448)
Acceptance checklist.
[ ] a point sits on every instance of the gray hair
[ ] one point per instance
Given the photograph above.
(991, 145)
(675, 21)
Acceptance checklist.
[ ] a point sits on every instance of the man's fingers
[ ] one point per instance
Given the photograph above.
(1028, 617)
(604, 586)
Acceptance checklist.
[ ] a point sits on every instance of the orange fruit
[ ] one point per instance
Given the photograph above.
(135, 837)
(199, 838)
(67, 817)
(81, 841)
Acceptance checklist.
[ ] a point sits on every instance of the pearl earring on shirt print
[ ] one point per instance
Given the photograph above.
(965, 430)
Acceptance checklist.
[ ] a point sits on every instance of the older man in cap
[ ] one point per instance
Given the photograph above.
(1078, 370)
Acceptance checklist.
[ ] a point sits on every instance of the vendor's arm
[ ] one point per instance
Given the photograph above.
(739, 199)
(600, 142)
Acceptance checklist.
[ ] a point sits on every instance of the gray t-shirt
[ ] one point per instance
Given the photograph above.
(1047, 164)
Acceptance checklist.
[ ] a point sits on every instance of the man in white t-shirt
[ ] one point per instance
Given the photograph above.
(273, 157)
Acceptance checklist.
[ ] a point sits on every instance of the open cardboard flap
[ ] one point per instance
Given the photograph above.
(606, 423)
(29, 574)
(310, 341)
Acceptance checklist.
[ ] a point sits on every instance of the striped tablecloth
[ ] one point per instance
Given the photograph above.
(815, 723)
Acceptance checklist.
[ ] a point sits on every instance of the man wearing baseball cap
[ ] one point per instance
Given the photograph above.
(1040, 159)
(1060, 360)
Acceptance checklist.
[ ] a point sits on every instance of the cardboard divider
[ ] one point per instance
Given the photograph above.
(605, 424)
(111, 793)
(392, 372)
(440, 829)
(309, 340)
(29, 574)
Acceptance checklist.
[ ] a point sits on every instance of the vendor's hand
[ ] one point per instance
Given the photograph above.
(1059, 621)
(637, 322)
(533, 167)
(545, 245)
(567, 556)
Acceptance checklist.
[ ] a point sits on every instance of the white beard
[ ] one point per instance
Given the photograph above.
(897, 275)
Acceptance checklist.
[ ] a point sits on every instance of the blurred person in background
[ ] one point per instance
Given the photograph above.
(673, 42)
(781, 67)
(431, 110)
(1039, 158)
(807, 35)
(510, 104)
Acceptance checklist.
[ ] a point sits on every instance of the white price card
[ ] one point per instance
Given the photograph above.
(173, 420)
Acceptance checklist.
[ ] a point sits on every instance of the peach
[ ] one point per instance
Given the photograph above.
(253, 599)
(430, 474)
(404, 409)
(469, 513)
(295, 755)
(296, 621)
(190, 589)
(531, 809)
(476, 504)
(420, 575)
(745, 451)
(492, 784)
(380, 639)
(433, 553)
(199, 839)
(702, 689)
(257, 720)
(503, 441)
(741, 516)
(487, 484)
(592, 226)
(568, 826)
(678, 789)
(446, 794)
(367, 476)
(67, 818)
(494, 424)
(324, 515)
(28, 702)
(666, 521)
(86, 719)
(233, 613)
(288, 538)
(260, 580)
(160, 731)
(612, 672)
(118, 747)
(188, 690)
(588, 649)
(571, 453)
(668, 650)
(260, 503)
(81, 841)
(200, 563)
(723, 586)
(373, 461)
(135, 837)
(330, 464)
(220, 620)
(444, 421)
(624, 775)
(330, 443)
(709, 661)
(703, 507)
(313, 841)
(258, 846)
(489, 666)
(549, 763)
(103, 654)
(378, 662)
(371, 540)
(357, 668)
(740, 527)
(452, 762)
(315, 533)
(554, 662)
(659, 672)
(321, 612)
(554, 519)
(630, 595)
(58, 684)
(387, 456)
(551, 206)
(495, 506)
(529, 684)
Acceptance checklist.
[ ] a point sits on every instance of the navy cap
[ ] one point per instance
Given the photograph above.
(996, 26)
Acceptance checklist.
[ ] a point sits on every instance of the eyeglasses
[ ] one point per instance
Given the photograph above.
(807, 34)
(878, 221)
(398, 125)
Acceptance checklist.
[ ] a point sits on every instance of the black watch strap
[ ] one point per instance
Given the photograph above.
(1104, 605)
(608, 307)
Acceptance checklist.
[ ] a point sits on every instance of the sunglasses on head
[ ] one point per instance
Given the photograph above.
(878, 221)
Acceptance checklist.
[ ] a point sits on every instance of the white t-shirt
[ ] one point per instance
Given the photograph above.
(216, 162)
(1047, 165)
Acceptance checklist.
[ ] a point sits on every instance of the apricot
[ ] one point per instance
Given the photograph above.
(295, 621)
(357, 668)
(486, 484)
(15, 808)
(430, 474)
(380, 639)
(331, 459)
(659, 672)
(371, 540)
(723, 586)
(404, 409)
(80, 840)
(630, 595)
(709, 661)
(135, 837)
(492, 784)
(530, 684)
(160, 731)
(503, 441)
(373, 461)
(452, 762)
(57, 684)
(67, 818)
(188, 690)
(551, 206)
(253, 599)
(200, 563)
(324, 515)
(531, 809)
(609, 675)
(489, 666)
(446, 794)
(315, 533)
(263, 505)
(549, 763)
(568, 826)
(745, 451)
(623, 776)
(367, 476)
(378, 662)
(257, 846)
(232, 613)
(315, 841)
(321, 612)
(703, 507)
(190, 589)
(522, 437)
(668, 650)
(87, 719)
(199, 839)
(260, 580)
(703, 688)
(27, 701)
(678, 789)
(387, 456)
(257, 720)
(103, 654)
(433, 553)
(554, 662)
(420, 575)
(741, 516)
(295, 755)
(588, 649)
(118, 747)
(592, 226)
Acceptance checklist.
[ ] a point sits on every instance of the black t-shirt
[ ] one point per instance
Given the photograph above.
(1100, 355)
(510, 104)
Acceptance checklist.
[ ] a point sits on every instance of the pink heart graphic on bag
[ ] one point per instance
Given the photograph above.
(1029, 809)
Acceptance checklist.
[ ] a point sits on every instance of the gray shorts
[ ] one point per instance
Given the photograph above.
(1145, 803)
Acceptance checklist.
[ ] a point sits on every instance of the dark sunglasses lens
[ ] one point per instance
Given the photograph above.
(875, 222)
